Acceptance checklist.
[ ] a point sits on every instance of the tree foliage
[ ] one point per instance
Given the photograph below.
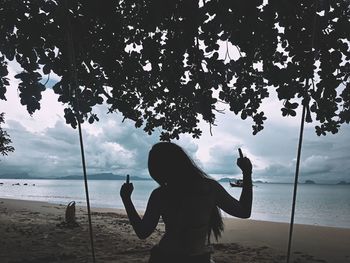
(5, 140)
(166, 64)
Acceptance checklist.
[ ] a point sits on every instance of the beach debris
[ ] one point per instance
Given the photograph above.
(70, 213)
(70, 219)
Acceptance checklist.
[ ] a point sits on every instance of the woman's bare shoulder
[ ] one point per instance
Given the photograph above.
(211, 182)
(209, 185)
(215, 186)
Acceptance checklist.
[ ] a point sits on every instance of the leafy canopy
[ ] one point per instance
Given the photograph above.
(158, 62)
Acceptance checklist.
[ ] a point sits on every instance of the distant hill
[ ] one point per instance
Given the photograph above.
(343, 183)
(309, 182)
(260, 182)
(16, 176)
(100, 176)
(226, 179)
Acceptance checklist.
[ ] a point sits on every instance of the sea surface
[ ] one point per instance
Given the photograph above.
(324, 205)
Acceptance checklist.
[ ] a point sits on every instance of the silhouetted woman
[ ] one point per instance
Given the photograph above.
(188, 201)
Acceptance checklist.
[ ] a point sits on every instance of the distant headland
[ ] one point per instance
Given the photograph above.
(310, 182)
(97, 176)
(112, 176)
(343, 183)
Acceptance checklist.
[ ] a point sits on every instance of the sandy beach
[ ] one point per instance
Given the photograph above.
(33, 232)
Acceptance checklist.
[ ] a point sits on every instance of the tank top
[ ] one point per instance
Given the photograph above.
(186, 213)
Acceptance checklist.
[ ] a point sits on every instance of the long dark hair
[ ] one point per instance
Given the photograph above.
(165, 155)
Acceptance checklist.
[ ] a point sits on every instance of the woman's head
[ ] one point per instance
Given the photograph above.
(168, 163)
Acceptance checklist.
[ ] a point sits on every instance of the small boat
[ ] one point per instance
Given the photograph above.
(237, 183)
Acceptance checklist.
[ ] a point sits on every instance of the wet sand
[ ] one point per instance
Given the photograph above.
(33, 232)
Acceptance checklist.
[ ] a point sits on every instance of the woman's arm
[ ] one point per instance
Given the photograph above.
(229, 204)
(144, 226)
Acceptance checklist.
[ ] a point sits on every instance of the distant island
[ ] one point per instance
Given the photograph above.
(310, 182)
(111, 176)
(103, 176)
(343, 183)
(226, 180)
(259, 182)
(99, 176)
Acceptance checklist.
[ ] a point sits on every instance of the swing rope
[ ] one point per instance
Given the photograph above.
(296, 178)
(305, 111)
(74, 83)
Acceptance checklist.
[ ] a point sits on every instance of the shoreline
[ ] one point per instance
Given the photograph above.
(32, 226)
(148, 179)
(122, 211)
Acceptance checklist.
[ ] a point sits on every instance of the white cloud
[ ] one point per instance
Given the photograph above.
(316, 164)
(51, 109)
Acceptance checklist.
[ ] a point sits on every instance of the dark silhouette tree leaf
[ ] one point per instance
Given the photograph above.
(5, 140)
(160, 64)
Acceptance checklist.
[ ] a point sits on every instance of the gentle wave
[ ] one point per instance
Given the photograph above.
(325, 205)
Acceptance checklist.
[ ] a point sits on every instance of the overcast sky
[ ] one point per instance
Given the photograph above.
(46, 146)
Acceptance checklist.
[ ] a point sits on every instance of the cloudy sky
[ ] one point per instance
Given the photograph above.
(46, 146)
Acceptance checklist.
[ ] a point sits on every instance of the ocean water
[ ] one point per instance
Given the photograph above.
(324, 205)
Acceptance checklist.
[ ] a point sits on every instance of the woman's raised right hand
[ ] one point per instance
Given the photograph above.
(245, 165)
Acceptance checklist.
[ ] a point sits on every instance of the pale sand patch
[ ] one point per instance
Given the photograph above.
(30, 233)
(328, 243)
